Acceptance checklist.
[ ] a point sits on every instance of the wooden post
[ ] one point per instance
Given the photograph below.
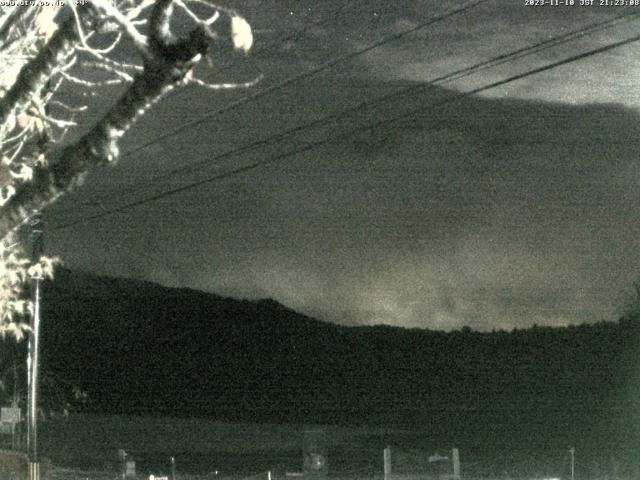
(455, 458)
(387, 463)
(572, 450)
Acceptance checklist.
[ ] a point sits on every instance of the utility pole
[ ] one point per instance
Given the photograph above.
(33, 354)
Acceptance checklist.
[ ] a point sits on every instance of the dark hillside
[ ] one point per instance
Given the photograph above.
(141, 348)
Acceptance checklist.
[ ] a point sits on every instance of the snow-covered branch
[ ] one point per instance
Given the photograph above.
(106, 8)
(33, 76)
(48, 52)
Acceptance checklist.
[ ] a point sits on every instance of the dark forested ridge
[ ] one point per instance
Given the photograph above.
(141, 348)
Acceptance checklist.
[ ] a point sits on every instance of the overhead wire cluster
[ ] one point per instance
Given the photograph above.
(413, 89)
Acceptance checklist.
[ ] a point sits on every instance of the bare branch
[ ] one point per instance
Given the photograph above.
(34, 75)
(111, 70)
(15, 154)
(68, 108)
(139, 40)
(37, 170)
(219, 8)
(135, 12)
(58, 122)
(10, 21)
(159, 26)
(90, 84)
(15, 138)
(101, 51)
(225, 86)
(198, 20)
(79, 27)
(108, 65)
(100, 145)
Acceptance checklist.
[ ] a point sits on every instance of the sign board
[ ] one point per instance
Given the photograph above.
(9, 415)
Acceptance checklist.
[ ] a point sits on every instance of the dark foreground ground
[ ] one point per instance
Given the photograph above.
(86, 447)
(74, 474)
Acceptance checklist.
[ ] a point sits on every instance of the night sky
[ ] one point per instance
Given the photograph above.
(515, 206)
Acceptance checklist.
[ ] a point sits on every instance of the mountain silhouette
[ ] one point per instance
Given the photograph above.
(141, 348)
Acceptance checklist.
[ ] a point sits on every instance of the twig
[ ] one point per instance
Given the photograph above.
(226, 86)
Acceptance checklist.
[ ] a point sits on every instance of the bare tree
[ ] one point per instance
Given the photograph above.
(143, 48)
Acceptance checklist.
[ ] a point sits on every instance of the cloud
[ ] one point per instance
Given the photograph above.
(489, 31)
(493, 212)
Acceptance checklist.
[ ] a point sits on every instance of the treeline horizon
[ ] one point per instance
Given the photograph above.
(142, 349)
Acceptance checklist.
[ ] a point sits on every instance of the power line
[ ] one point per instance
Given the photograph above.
(293, 80)
(304, 75)
(313, 145)
(461, 73)
(546, 44)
